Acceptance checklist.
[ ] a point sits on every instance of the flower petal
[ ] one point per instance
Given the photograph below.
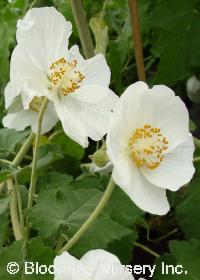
(147, 196)
(105, 265)
(71, 125)
(176, 169)
(19, 120)
(67, 267)
(12, 90)
(27, 66)
(31, 90)
(162, 109)
(87, 113)
(44, 31)
(96, 71)
(49, 120)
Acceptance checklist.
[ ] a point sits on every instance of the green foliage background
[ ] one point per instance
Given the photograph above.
(66, 196)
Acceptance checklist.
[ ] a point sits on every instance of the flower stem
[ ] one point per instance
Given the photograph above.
(196, 142)
(32, 4)
(14, 211)
(146, 249)
(83, 28)
(19, 203)
(100, 207)
(24, 149)
(137, 39)
(196, 159)
(37, 140)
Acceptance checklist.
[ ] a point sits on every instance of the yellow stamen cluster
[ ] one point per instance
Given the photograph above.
(36, 103)
(65, 75)
(147, 146)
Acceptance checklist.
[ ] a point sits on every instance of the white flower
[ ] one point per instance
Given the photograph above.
(42, 66)
(150, 145)
(94, 265)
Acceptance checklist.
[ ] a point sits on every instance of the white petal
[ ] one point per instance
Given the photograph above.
(105, 265)
(176, 169)
(71, 125)
(67, 267)
(128, 105)
(160, 108)
(87, 113)
(124, 118)
(96, 71)
(19, 120)
(27, 66)
(147, 196)
(12, 90)
(50, 119)
(45, 31)
(74, 54)
(31, 90)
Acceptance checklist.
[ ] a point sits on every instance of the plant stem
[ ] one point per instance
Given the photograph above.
(34, 163)
(146, 249)
(100, 207)
(32, 4)
(83, 28)
(14, 211)
(2, 186)
(60, 243)
(19, 203)
(24, 149)
(196, 159)
(137, 39)
(196, 142)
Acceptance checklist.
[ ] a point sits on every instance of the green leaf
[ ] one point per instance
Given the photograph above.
(103, 232)
(54, 180)
(180, 51)
(161, 274)
(4, 218)
(187, 254)
(70, 206)
(187, 213)
(21, 252)
(10, 140)
(67, 212)
(68, 146)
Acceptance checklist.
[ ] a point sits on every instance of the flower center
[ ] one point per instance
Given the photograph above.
(147, 145)
(36, 103)
(65, 77)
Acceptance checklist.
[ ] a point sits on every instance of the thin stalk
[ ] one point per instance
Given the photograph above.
(137, 39)
(166, 235)
(24, 149)
(196, 159)
(60, 243)
(146, 249)
(35, 154)
(32, 4)
(83, 28)
(2, 186)
(100, 207)
(14, 211)
(19, 203)
(196, 142)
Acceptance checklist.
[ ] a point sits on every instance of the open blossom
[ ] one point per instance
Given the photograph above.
(150, 145)
(42, 66)
(94, 265)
